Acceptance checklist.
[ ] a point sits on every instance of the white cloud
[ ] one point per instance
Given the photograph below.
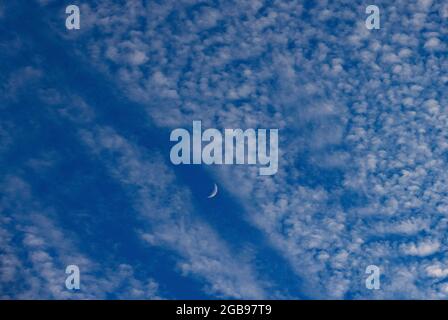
(378, 99)
(35, 251)
(423, 248)
(166, 208)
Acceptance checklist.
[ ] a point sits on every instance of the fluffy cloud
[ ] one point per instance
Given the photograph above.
(362, 118)
(372, 101)
(35, 251)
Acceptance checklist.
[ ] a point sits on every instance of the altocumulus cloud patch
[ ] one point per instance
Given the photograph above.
(323, 124)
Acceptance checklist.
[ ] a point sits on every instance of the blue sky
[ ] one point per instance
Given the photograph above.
(86, 179)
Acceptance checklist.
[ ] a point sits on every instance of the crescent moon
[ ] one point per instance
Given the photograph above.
(214, 192)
